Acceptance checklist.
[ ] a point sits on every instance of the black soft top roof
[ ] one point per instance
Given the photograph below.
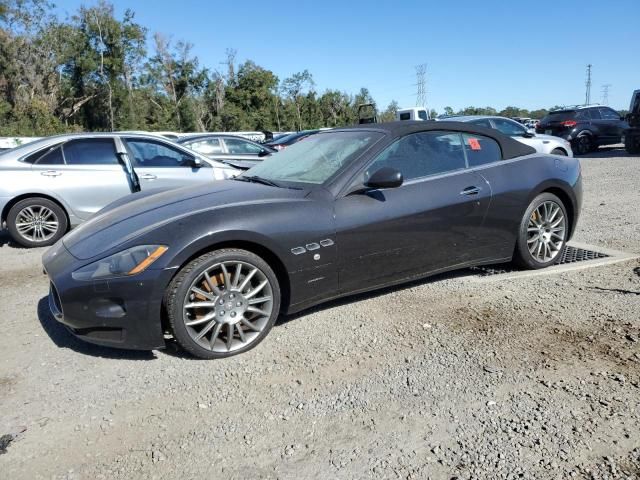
(510, 148)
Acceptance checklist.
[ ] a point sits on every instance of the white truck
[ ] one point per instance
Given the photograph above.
(413, 113)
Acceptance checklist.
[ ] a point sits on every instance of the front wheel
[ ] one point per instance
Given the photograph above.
(543, 233)
(223, 303)
(558, 151)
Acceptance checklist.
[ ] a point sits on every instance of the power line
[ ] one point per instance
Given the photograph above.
(587, 97)
(605, 93)
(421, 96)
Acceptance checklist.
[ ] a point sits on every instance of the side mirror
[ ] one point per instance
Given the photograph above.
(195, 162)
(385, 177)
(264, 153)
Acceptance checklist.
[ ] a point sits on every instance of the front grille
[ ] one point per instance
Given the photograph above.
(570, 255)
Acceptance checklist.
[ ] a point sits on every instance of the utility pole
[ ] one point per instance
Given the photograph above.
(605, 93)
(421, 96)
(587, 97)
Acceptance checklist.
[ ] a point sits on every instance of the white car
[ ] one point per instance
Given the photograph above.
(53, 184)
(542, 143)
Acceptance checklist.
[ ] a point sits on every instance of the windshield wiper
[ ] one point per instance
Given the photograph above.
(256, 179)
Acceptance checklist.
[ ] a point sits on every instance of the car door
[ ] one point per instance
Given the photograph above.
(161, 165)
(429, 223)
(502, 218)
(85, 173)
(612, 125)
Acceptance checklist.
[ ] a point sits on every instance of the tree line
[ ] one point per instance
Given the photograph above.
(96, 72)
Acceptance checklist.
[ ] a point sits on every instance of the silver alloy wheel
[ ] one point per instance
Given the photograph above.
(546, 231)
(227, 306)
(37, 223)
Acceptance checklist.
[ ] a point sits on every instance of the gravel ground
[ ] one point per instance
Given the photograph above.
(445, 378)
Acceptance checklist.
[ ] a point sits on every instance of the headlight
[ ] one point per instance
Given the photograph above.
(128, 262)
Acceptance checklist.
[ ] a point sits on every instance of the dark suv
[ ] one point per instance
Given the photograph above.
(585, 127)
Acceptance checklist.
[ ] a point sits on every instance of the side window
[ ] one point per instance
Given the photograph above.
(90, 151)
(594, 114)
(238, 147)
(483, 122)
(48, 156)
(53, 157)
(422, 115)
(154, 154)
(481, 150)
(608, 114)
(508, 127)
(206, 146)
(423, 154)
(405, 116)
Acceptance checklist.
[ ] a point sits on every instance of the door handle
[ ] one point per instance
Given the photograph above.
(51, 173)
(147, 176)
(470, 191)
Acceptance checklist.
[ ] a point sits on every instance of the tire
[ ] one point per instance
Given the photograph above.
(558, 151)
(250, 297)
(37, 222)
(583, 145)
(541, 225)
(632, 144)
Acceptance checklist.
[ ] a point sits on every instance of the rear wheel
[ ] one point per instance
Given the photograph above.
(583, 145)
(543, 233)
(223, 303)
(36, 222)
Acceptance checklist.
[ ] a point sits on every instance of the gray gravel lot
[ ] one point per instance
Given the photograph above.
(446, 378)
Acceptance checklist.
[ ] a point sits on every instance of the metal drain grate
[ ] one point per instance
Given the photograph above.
(570, 255)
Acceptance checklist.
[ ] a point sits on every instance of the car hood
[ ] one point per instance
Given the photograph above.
(142, 212)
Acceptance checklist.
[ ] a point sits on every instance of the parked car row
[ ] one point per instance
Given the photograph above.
(586, 127)
(507, 126)
(56, 183)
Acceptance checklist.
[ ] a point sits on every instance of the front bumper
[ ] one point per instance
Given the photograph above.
(3, 203)
(121, 312)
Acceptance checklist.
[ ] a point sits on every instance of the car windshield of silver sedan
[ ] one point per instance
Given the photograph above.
(314, 159)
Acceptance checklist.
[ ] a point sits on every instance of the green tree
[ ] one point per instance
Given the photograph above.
(389, 114)
(175, 79)
(295, 87)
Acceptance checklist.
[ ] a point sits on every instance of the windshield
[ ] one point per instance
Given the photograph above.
(316, 159)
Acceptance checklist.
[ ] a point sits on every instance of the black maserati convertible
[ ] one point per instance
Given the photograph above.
(345, 211)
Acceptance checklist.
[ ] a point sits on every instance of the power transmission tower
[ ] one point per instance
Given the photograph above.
(587, 97)
(605, 93)
(421, 96)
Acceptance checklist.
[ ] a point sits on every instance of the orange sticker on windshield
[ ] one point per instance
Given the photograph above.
(474, 144)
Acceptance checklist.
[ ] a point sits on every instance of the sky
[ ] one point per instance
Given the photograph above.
(530, 54)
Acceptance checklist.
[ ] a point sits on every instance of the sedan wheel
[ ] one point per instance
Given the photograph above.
(36, 222)
(223, 303)
(543, 232)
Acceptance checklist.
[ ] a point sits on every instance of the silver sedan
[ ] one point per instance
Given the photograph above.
(542, 143)
(53, 184)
